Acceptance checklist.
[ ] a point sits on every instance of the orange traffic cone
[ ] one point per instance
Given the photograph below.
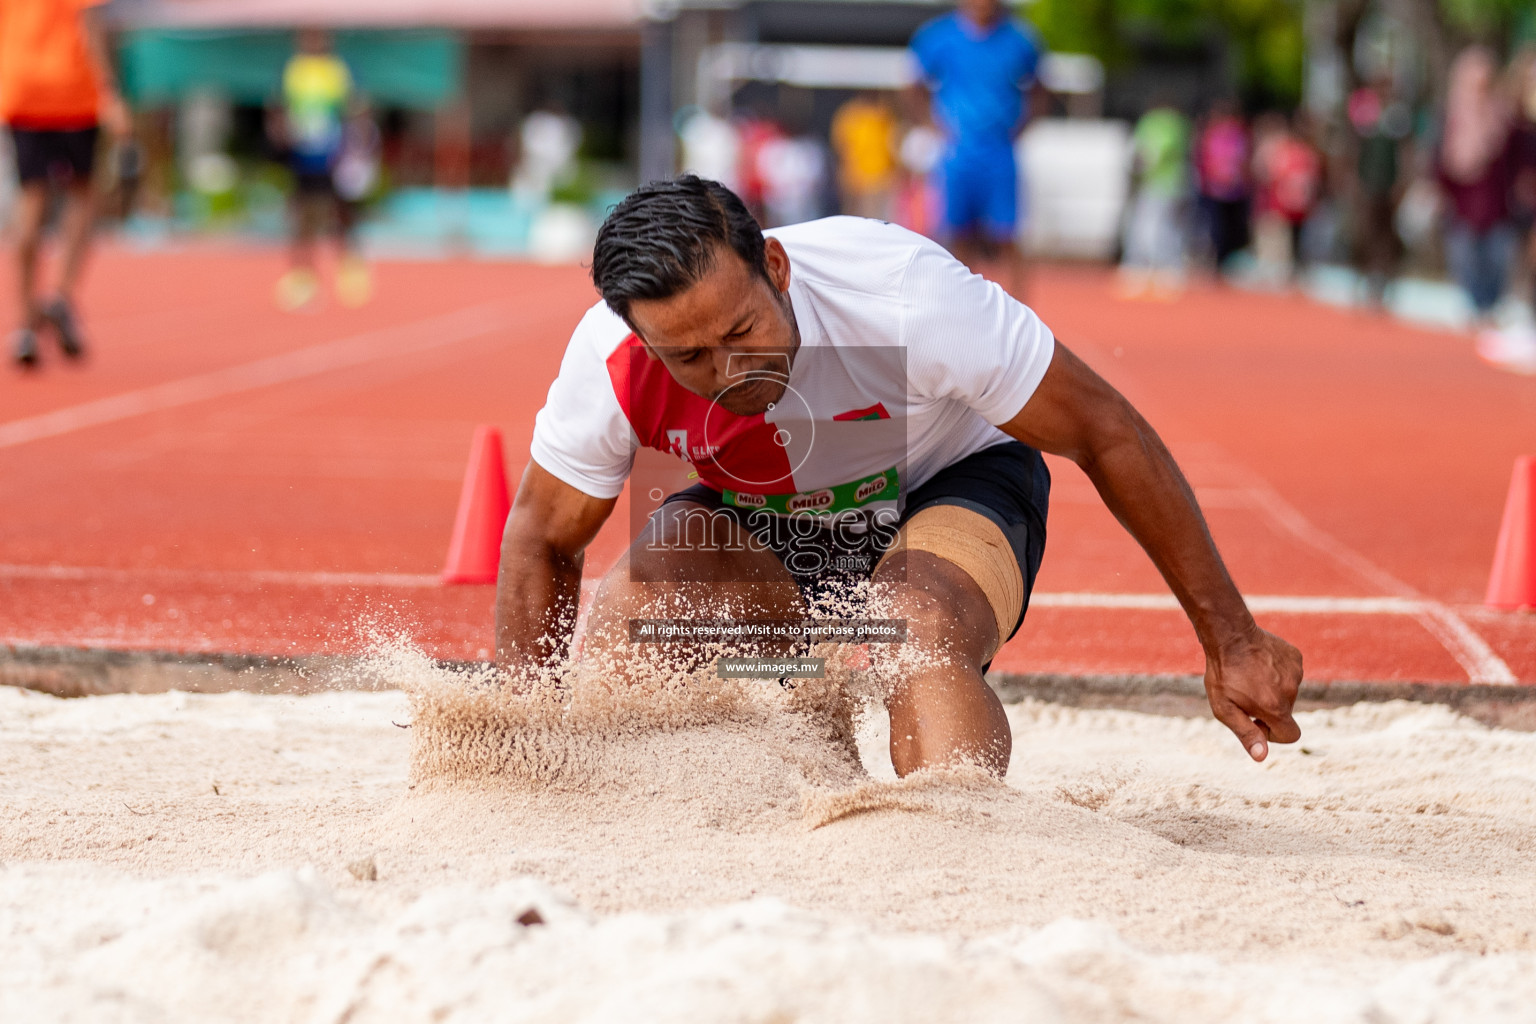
(475, 550)
(1513, 584)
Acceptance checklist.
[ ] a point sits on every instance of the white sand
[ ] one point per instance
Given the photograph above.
(185, 858)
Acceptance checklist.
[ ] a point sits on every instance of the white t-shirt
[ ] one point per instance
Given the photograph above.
(907, 362)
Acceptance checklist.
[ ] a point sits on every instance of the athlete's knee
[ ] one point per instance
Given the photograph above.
(944, 613)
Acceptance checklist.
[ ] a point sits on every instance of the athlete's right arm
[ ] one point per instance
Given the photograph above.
(538, 588)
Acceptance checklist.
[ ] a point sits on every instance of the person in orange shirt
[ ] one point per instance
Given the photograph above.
(57, 92)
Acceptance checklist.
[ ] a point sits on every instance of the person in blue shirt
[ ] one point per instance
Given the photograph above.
(977, 66)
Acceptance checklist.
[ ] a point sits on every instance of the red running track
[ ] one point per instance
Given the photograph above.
(220, 476)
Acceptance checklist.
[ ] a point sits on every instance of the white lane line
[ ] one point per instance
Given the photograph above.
(346, 579)
(1275, 603)
(389, 342)
(217, 576)
(118, 640)
(1447, 626)
(1463, 643)
(1286, 604)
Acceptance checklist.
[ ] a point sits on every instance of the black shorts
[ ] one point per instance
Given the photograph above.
(44, 154)
(318, 184)
(1007, 483)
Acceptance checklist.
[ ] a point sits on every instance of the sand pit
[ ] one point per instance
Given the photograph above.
(721, 855)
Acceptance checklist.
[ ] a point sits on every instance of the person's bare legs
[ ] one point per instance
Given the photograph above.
(1015, 275)
(1003, 262)
(76, 226)
(942, 710)
(354, 285)
(965, 249)
(307, 215)
(300, 284)
(31, 211)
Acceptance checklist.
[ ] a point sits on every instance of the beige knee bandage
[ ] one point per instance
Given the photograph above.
(977, 545)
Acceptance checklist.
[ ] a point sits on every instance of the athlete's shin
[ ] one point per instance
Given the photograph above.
(945, 715)
(942, 712)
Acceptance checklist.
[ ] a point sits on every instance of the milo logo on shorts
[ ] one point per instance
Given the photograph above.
(869, 488)
(815, 502)
(863, 494)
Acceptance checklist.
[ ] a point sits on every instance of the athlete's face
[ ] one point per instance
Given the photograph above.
(731, 337)
(981, 12)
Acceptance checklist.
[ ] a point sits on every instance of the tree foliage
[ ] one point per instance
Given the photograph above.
(1494, 21)
(1264, 36)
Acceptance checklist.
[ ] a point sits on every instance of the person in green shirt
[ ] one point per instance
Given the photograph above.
(318, 103)
(1154, 230)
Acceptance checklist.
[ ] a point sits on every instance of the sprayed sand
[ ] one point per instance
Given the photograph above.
(718, 852)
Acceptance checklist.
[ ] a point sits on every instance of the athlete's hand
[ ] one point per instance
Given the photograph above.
(1251, 684)
(115, 117)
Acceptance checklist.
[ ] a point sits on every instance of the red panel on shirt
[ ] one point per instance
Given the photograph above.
(730, 452)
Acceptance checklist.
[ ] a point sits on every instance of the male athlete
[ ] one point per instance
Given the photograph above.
(855, 404)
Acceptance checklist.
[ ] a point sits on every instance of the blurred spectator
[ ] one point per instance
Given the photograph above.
(1523, 81)
(918, 200)
(1515, 347)
(711, 147)
(57, 91)
(548, 143)
(977, 64)
(793, 172)
(1381, 126)
(318, 102)
(1154, 234)
(1474, 168)
(1288, 177)
(757, 130)
(1221, 169)
(864, 139)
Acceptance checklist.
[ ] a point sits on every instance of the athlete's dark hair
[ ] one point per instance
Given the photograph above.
(664, 236)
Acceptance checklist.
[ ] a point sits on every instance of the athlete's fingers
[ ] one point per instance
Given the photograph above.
(1282, 728)
(1271, 705)
(1249, 733)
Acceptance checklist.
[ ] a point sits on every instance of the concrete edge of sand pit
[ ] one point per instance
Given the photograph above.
(91, 671)
(1508, 707)
(86, 671)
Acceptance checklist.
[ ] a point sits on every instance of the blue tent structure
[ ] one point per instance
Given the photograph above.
(418, 69)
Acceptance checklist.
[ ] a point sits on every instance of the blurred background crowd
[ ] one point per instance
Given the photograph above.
(1375, 152)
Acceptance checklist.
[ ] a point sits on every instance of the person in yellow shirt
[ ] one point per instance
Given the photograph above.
(318, 97)
(57, 92)
(864, 138)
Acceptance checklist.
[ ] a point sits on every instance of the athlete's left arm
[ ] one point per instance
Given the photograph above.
(1251, 676)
